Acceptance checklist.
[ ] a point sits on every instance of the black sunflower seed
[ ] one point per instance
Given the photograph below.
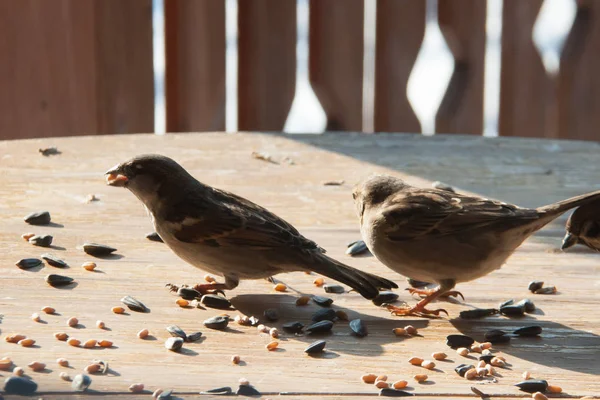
(95, 249)
(193, 337)
(535, 285)
(546, 290)
(385, 297)
(512, 311)
(416, 284)
(166, 395)
(322, 301)
(176, 331)
(81, 382)
(358, 328)
(320, 327)
(247, 390)
(532, 330)
(487, 358)
(38, 218)
(456, 341)
(41, 240)
(58, 280)
(324, 314)
(188, 293)
(496, 336)
(19, 385)
(527, 304)
(28, 263)
(253, 320)
(54, 261)
(532, 386)
(356, 248)
(225, 390)
(271, 314)
(219, 322)
(334, 289)
(316, 347)
(293, 327)
(134, 304)
(478, 313)
(462, 369)
(506, 303)
(215, 301)
(174, 343)
(390, 392)
(153, 236)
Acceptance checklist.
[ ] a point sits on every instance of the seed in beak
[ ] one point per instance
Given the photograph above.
(113, 179)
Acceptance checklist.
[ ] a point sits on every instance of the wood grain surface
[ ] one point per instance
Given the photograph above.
(526, 171)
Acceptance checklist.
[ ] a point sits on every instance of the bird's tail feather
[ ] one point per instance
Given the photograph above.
(366, 284)
(558, 208)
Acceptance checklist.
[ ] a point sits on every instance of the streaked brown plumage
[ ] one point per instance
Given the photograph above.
(583, 227)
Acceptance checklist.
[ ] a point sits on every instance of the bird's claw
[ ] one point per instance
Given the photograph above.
(209, 288)
(416, 311)
(428, 292)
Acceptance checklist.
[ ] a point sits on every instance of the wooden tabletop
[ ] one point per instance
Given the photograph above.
(526, 172)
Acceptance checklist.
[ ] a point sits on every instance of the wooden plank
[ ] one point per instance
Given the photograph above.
(75, 67)
(527, 96)
(578, 79)
(525, 171)
(267, 63)
(400, 31)
(336, 60)
(195, 65)
(463, 25)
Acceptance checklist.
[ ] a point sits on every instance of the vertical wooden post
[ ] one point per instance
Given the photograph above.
(579, 76)
(195, 65)
(267, 63)
(400, 30)
(336, 60)
(525, 88)
(462, 23)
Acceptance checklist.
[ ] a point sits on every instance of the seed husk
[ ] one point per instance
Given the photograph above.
(19, 385)
(89, 266)
(280, 287)
(456, 341)
(315, 347)
(535, 285)
(293, 327)
(356, 248)
(225, 390)
(478, 313)
(48, 310)
(338, 289)
(56, 280)
(74, 342)
(154, 237)
(96, 249)
(63, 362)
(546, 290)
(215, 301)
(218, 322)
(442, 186)
(136, 388)
(439, 356)
(271, 314)
(532, 330)
(420, 378)
(62, 336)
(527, 304)
(389, 392)
(512, 311)
(247, 390)
(81, 382)
(28, 263)
(462, 369)
(18, 371)
(38, 218)
(272, 345)
(385, 298)
(193, 337)
(26, 342)
(533, 385)
(174, 343)
(41, 240)
(496, 336)
(37, 366)
(415, 360)
(322, 301)
(358, 328)
(188, 293)
(54, 261)
(302, 301)
(176, 331)
(320, 327)
(134, 304)
(324, 314)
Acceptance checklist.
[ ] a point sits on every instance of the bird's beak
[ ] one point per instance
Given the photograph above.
(568, 241)
(114, 177)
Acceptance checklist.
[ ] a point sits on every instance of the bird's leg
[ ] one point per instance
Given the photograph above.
(419, 309)
(231, 282)
(428, 292)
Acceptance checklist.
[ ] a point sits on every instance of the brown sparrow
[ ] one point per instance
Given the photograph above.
(438, 236)
(225, 234)
(583, 226)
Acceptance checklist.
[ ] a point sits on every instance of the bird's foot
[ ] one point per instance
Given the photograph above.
(270, 279)
(174, 288)
(418, 310)
(429, 292)
(210, 288)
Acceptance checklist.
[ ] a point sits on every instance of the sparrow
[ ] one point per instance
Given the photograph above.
(434, 235)
(583, 226)
(225, 234)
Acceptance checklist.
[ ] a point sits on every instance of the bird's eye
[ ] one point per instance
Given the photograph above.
(354, 195)
(138, 166)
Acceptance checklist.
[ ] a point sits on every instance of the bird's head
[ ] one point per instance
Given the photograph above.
(582, 223)
(374, 190)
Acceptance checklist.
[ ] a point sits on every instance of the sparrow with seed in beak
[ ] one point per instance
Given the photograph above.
(225, 234)
(583, 227)
(438, 236)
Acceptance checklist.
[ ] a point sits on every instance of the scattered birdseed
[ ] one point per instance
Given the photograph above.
(462, 351)
(420, 378)
(90, 343)
(118, 310)
(399, 332)
(48, 310)
(486, 345)
(74, 342)
(244, 381)
(18, 371)
(259, 155)
(497, 362)
(382, 378)
(334, 183)
(54, 261)
(182, 303)
(471, 374)
(89, 266)
(136, 388)
(280, 287)
(143, 334)
(27, 236)
(535, 285)
(389, 392)
(369, 378)
(411, 330)
(272, 346)
(37, 366)
(428, 364)
(63, 362)
(154, 237)
(476, 348)
(92, 368)
(512, 311)
(337, 289)
(247, 390)
(478, 313)
(356, 248)
(28, 263)
(15, 338)
(5, 364)
(341, 315)
(174, 343)
(218, 322)
(64, 376)
(456, 341)
(415, 361)
(235, 359)
(193, 337)
(19, 385)
(105, 343)
(539, 396)
(36, 317)
(157, 393)
(49, 151)
(223, 391)
(382, 384)
(91, 198)
(462, 369)
(215, 301)
(532, 386)
(400, 384)
(72, 322)
(322, 301)
(358, 328)
(41, 240)
(302, 301)
(532, 330)
(209, 278)
(274, 333)
(439, 356)
(478, 392)
(26, 342)
(293, 327)
(554, 389)
(134, 304)
(38, 218)
(546, 290)
(95, 249)
(526, 375)
(315, 347)
(58, 280)
(81, 382)
(385, 298)
(320, 327)
(61, 336)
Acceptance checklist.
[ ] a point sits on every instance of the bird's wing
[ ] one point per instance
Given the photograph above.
(225, 219)
(429, 212)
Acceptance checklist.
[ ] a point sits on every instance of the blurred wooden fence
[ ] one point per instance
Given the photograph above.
(72, 67)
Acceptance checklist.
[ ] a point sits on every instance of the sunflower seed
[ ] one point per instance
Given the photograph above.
(134, 304)
(58, 280)
(416, 284)
(527, 305)
(293, 327)
(193, 337)
(225, 390)
(153, 236)
(535, 285)
(95, 249)
(174, 343)
(385, 297)
(49, 151)
(358, 328)
(253, 321)
(389, 392)
(54, 261)
(532, 330)
(506, 303)
(188, 293)
(28, 263)
(247, 390)
(496, 336)
(166, 395)
(322, 301)
(334, 289)
(324, 314)
(176, 331)
(462, 369)
(81, 382)
(442, 186)
(215, 301)
(532, 386)
(19, 385)
(544, 290)
(478, 313)
(219, 322)
(456, 341)
(271, 314)
(315, 347)
(41, 240)
(320, 327)
(38, 218)
(356, 248)
(512, 311)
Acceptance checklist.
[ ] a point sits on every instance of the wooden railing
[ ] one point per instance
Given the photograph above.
(72, 67)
